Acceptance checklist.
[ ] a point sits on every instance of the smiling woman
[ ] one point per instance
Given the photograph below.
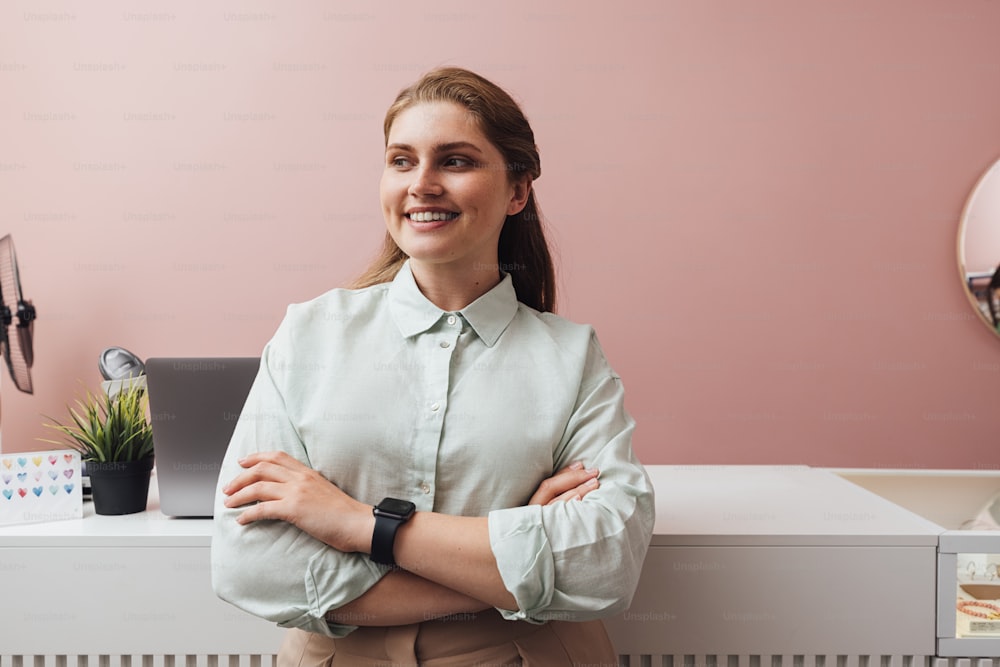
(446, 201)
(494, 138)
(474, 497)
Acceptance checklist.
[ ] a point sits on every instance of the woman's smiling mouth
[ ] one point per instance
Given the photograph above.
(430, 216)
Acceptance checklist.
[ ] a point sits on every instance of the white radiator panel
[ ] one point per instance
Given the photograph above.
(644, 660)
(965, 662)
(688, 660)
(137, 660)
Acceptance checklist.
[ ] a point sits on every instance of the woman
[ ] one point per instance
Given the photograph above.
(389, 490)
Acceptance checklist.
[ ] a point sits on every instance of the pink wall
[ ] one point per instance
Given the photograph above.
(755, 203)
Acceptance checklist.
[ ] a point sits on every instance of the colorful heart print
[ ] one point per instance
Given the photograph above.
(7, 493)
(37, 460)
(68, 487)
(37, 491)
(7, 479)
(22, 492)
(7, 463)
(21, 476)
(21, 461)
(53, 458)
(68, 458)
(68, 472)
(53, 474)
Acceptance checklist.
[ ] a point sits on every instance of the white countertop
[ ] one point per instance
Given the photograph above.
(149, 528)
(696, 505)
(777, 505)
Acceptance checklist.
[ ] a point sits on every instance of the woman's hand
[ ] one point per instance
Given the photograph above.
(571, 483)
(274, 485)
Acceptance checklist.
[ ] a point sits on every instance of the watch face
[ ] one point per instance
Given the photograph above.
(395, 507)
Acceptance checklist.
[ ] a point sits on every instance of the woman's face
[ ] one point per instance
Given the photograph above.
(445, 190)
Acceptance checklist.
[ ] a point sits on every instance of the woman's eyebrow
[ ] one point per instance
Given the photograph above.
(440, 148)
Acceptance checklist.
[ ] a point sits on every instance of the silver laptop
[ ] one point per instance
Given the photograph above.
(194, 403)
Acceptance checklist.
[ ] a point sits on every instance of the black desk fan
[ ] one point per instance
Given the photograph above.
(17, 317)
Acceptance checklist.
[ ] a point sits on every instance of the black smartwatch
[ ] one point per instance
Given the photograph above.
(390, 514)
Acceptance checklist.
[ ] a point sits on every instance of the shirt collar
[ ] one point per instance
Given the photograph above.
(488, 315)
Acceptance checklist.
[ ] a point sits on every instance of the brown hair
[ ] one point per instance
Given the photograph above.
(523, 251)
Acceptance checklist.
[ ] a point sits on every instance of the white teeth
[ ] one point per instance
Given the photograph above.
(426, 216)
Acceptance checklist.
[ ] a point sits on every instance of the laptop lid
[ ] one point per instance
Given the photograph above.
(194, 403)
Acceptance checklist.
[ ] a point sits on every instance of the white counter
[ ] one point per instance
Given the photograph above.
(775, 561)
(750, 562)
(137, 584)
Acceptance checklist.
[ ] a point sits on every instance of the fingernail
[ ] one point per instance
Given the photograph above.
(591, 482)
(576, 465)
(592, 471)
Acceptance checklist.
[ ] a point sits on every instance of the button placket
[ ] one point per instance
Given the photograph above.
(442, 341)
(449, 345)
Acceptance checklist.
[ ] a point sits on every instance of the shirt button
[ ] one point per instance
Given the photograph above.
(445, 344)
(425, 488)
(452, 319)
(435, 407)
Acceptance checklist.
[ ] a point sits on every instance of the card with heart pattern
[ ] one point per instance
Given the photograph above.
(40, 486)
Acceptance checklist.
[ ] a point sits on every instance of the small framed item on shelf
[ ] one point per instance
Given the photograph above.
(40, 486)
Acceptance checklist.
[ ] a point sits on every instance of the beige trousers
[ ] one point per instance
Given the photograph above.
(481, 640)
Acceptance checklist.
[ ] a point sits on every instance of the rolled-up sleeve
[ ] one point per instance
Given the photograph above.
(581, 560)
(272, 569)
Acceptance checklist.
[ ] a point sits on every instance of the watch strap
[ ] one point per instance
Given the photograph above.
(384, 538)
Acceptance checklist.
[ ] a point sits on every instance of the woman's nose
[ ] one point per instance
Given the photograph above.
(425, 182)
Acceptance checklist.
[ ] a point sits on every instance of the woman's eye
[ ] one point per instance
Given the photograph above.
(399, 162)
(457, 161)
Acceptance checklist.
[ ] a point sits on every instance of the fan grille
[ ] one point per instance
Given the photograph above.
(17, 335)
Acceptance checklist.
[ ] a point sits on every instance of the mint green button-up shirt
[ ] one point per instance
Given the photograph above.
(463, 413)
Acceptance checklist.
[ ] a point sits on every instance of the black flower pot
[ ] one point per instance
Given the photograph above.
(120, 487)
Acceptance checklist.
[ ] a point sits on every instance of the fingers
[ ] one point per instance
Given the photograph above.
(258, 491)
(259, 484)
(579, 492)
(566, 484)
(257, 512)
(261, 472)
(264, 466)
(275, 457)
(266, 491)
(300, 496)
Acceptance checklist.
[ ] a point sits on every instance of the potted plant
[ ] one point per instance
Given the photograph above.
(115, 441)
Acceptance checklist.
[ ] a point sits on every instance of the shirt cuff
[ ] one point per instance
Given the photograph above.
(332, 580)
(524, 559)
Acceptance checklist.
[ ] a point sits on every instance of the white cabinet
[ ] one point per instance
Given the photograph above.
(769, 566)
(135, 585)
(758, 564)
(968, 579)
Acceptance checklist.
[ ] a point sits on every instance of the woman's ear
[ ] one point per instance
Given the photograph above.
(519, 198)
